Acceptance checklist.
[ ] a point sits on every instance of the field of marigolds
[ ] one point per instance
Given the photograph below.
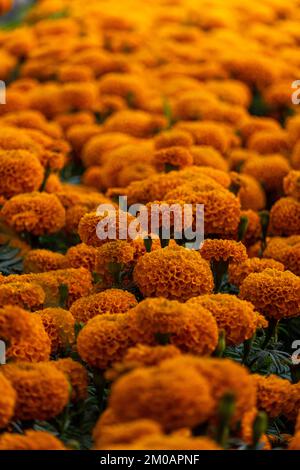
(144, 342)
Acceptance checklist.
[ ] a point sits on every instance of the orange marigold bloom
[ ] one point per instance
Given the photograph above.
(124, 433)
(81, 255)
(78, 281)
(38, 261)
(27, 295)
(20, 172)
(75, 73)
(177, 157)
(135, 123)
(285, 217)
(25, 335)
(108, 301)
(103, 340)
(266, 142)
(236, 317)
(171, 442)
(226, 250)
(42, 390)
(223, 376)
(79, 134)
(7, 402)
(273, 394)
(30, 440)
(274, 293)
(251, 193)
(175, 397)
(77, 376)
(37, 213)
(174, 273)
(207, 133)
(66, 120)
(173, 138)
(59, 324)
(119, 254)
(80, 95)
(116, 221)
(291, 184)
(96, 148)
(247, 429)
(268, 170)
(239, 271)
(205, 155)
(191, 329)
(286, 251)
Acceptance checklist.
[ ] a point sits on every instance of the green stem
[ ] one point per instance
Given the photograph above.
(271, 331)
(247, 348)
(219, 269)
(226, 411)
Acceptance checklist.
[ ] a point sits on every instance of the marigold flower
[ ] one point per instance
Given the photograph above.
(285, 217)
(59, 325)
(77, 376)
(173, 273)
(124, 433)
(291, 184)
(191, 329)
(223, 376)
(239, 271)
(37, 213)
(26, 295)
(226, 250)
(79, 134)
(177, 157)
(30, 440)
(42, 390)
(173, 138)
(207, 133)
(117, 221)
(67, 120)
(20, 172)
(75, 73)
(119, 254)
(7, 402)
(268, 170)
(135, 123)
(286, 251)
(236, 317)
(267, 142)
(251, 193)
(247, 429)
(78, 282)
(295, 442)
(96, 148)
(108, 301)
(175, 397)
(103, 341)
(81, 255)
(25, 335)
(205, 155)
(274, 293)
(273, 394)
(38, 261)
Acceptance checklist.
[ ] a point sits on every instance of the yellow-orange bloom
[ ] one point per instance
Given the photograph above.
(174, 157)
(175, 397)
(268, 170)
(174, 273)
(285, 250)
(59, 324)
(26, 295)
(236, 317)
(226, 250)
(7, 401)
(103, 340)
(20, 172)
(38, 261)
(30, 440)
(77, 376)
(81, 255)
(190, 328)
(274, 293)
(37, 213)
(42, 390)
(291, 184)
(239, 271)
(285, 217)
(108, 301)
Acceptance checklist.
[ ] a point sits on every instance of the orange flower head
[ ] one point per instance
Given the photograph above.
(173, 138)
(81, 255)
(59, 324)
(27, 295)
(36, 213)
(226, 250)
(30, 440)
(38, 261)
(285, 217)
(173, 273)
(77, 376)
(177, 157)
(291, 184)
(105, 302)
(268, 170)
(42, 390)
(285, 250)
(239, 271)
(274, 293)
(7, 402)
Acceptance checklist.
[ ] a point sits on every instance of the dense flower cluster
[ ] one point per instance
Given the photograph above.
(116, 333)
